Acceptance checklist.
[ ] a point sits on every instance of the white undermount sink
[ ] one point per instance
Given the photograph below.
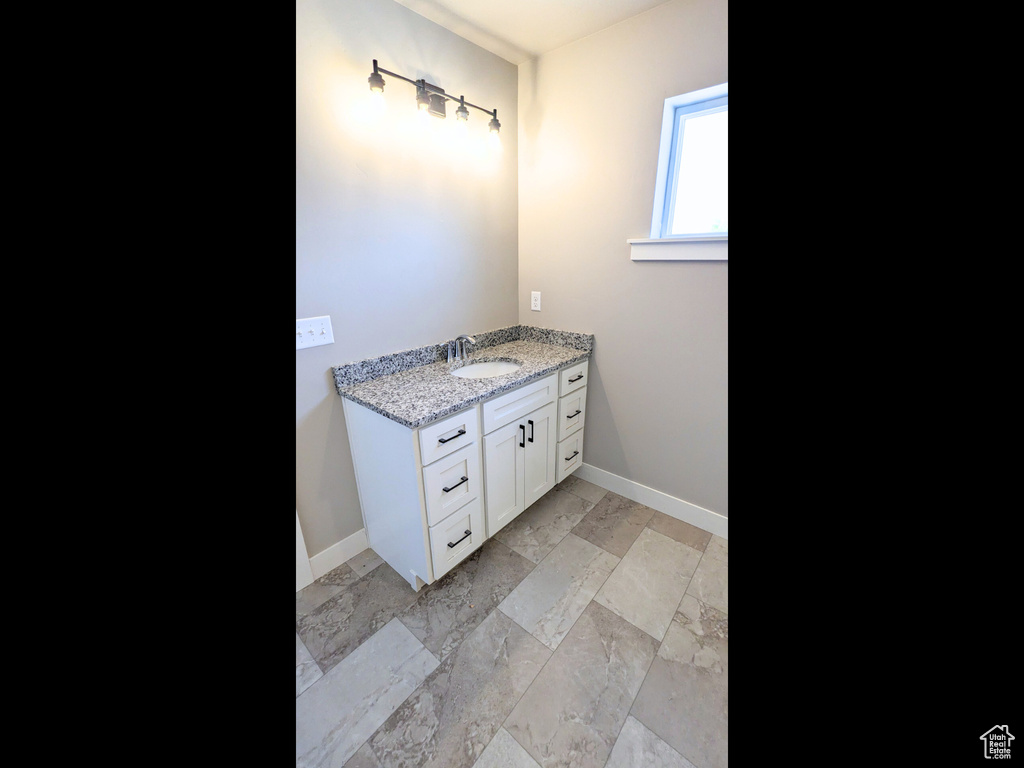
(486, 369)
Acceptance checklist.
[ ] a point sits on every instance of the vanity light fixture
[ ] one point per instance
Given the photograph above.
(422, 99)
(436, 106)
(432, 98)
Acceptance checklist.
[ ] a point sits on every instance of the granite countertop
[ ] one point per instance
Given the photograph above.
(423, 393)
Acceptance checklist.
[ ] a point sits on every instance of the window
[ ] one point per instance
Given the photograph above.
(691, 196)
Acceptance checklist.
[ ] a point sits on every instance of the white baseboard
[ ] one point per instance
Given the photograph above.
(303, 573)
(337, 554)
(704, 519)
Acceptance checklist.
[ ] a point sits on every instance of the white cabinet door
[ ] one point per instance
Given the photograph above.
(539, 448)
(504, 475)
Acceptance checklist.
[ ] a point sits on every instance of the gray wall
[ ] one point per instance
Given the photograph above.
(405, 234)
(589, 129)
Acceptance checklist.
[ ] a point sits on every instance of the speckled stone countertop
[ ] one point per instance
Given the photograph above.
(404, 389)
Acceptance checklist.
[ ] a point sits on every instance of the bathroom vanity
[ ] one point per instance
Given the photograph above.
(442, 460)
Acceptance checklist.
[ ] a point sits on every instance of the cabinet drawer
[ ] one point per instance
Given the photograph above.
(454, 540)
(568, 456)
(508, 407)
(443, 437)
(448, 472)
(572, 378)
(571, 410)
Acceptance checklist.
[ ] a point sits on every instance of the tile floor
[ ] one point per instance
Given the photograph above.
(590, 631)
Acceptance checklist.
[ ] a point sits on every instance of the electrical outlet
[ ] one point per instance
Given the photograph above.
(313, 331)
(535, 301)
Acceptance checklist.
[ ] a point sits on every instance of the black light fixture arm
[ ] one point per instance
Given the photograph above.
(433, 89)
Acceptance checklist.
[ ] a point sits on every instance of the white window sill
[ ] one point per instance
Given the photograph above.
(709, 248)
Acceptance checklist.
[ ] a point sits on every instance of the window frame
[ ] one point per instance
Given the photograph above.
(713, 97)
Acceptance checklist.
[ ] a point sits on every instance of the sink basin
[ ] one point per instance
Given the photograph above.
(486, 369)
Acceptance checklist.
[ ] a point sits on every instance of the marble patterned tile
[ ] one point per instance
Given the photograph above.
(574, 710)
(364, 562)
(312, 596)
(364, 758)
(582, 488)
(538, 529)
(505, 752)
(306, 670)
(681, 531)
(710, 582)
(555, 570)
(449, 720)
(336, 628)
(614, 523)
(639, 746)
(685, 698)
(453, 606)
(646, 586)
(549, 601)
(335, 715)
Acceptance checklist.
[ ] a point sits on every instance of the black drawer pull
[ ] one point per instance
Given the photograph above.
(446, 439)
(453, 543)
(522, 443)
(574, 454)
(571, 415)
(576, 379)
(464, 479)
(530, 422)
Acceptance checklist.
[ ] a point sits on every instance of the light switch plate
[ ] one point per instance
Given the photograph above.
(313, 331)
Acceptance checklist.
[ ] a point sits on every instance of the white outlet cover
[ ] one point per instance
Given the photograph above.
(535, 301)
(313, 332)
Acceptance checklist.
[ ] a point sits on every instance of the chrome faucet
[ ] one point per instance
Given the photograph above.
(460, 347)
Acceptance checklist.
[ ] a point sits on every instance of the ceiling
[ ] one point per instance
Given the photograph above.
(519, 30)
